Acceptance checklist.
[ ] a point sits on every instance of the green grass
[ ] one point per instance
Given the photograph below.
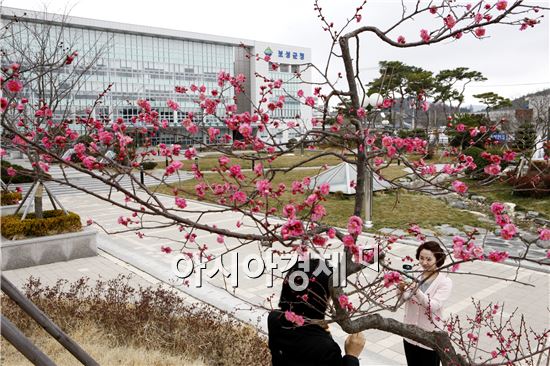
(390, 209)
(284, 161)
(502, 192)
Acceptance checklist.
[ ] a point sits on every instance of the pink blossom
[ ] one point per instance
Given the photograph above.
(502, 220)
(361, 113)
(44, 166)
(292, 227)
(324, 189)
(223, 160)
(544, 234)
(358, 18)
(89, 222)
(478, 18)
(497, 208)
(310, 101)
(449, 21)
(509, 155)
(344, 302)
(263, 187)
(508, 231)
(14, 85)
(173, 167)
(331, 233)
(498, 257)
(213, 132)
(433, 9)
(348, 241)
(318, 212)
(401, 40)
(172, 105)
(425, 105)
(220, 239)
(391, 278)
(460, 187)
(300, 93)
(479, 32)
(89, 162)
(477, 251)
(190, 153)
(259, 169)
(239, 196)
(293, 318)
(387, 141)
(166, 250)
(493, 169)
(3, 104)
(79, 148)
(425, 35)
(3, 152)
(311, 199)
(502, 5)
(355, 225)
(11, 172)
(181, 202)
(387, 103)
(460, 127)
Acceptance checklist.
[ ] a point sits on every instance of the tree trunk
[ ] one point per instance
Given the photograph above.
(38, 210)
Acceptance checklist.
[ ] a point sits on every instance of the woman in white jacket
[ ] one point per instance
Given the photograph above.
(424, 302)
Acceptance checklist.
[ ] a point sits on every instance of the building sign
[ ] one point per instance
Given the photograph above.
(291, 55)
(500, 137)
(268, 51)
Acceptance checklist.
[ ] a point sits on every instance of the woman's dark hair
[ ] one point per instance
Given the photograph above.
(314, 305)
(433, 247)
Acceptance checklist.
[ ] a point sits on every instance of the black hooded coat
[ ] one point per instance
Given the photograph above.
(310, 344)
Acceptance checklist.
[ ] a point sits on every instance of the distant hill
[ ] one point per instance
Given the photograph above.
(522, 103)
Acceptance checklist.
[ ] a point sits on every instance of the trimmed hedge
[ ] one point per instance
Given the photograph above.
(149, 165)
(54, 222)
(10, 198)
(23, 175)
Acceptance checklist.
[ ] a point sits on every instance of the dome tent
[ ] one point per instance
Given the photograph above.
(340, 176)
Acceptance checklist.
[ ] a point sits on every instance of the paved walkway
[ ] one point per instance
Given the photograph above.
(382, 348)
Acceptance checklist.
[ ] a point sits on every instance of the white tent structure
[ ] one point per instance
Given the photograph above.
(340, 176)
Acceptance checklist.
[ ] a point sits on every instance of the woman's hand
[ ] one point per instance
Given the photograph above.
(401, 286)
(354, 344)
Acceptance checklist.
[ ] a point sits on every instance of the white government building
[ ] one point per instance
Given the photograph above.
(148, 62)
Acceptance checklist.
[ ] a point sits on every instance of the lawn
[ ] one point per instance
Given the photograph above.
(391, 209)
(502, 192)
(284, 161)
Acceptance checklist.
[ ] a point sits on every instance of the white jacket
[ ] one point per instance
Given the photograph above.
(418, 305)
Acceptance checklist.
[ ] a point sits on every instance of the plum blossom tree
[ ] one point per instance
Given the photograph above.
(288, 217)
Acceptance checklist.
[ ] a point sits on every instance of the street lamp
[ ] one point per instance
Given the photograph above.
(373, 100)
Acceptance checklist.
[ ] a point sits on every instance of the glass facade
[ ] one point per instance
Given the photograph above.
(138, 66)
(148, 63)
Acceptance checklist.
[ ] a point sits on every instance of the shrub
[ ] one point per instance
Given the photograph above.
(525, 137)
(149, 165)
(475, 152)
(417, 132)
(540, 167)
(531, 185)
(463, 139)
(23, 175)
(150, 318)
(10, 198)
(54, 222)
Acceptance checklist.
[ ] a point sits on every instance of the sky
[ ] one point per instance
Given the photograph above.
(514, 62)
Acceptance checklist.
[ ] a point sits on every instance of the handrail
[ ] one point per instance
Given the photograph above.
(23, 344)
(34, 312)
